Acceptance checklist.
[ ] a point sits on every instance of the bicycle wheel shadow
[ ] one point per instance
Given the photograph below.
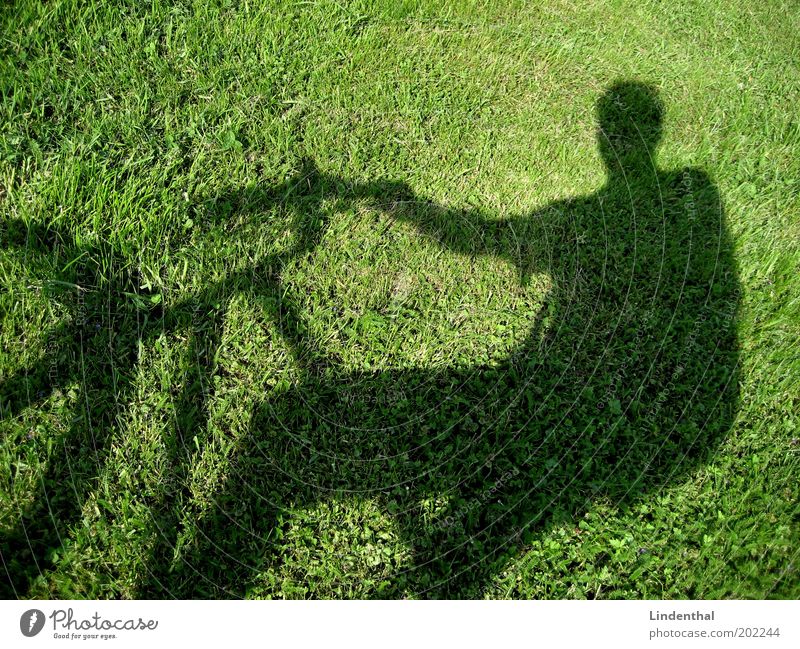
(95, 346)
(628, 388)
(90, 352)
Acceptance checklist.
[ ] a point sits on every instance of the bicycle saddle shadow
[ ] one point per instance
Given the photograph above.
(626, 384)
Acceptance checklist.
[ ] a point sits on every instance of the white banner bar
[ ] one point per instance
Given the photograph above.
(637, 624)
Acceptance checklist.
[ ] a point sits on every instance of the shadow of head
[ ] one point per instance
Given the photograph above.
(629, 118)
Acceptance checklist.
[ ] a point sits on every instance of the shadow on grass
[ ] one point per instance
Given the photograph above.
(627, 382)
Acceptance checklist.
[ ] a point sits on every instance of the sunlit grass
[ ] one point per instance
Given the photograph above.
(165, 145)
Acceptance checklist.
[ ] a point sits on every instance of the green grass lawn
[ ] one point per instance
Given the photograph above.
(399, 299)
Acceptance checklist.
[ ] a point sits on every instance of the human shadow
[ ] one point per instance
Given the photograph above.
(627, 382)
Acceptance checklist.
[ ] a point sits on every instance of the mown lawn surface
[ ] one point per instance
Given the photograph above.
(399, 299)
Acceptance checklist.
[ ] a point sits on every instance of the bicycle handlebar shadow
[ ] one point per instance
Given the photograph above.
(629, 388)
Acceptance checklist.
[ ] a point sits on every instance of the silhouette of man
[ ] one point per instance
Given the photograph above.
(630, 385)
